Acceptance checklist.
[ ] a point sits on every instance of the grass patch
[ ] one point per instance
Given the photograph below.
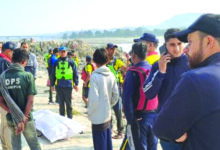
(75, 112)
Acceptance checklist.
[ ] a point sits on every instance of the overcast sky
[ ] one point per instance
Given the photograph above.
(28, 17)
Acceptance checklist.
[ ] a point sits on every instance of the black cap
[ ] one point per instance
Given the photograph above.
(207, 23)
(110, 45)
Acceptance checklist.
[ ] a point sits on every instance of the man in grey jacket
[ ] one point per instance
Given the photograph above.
(103, 94)
(32, 61)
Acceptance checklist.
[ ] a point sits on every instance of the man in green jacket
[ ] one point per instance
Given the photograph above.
(21, 88)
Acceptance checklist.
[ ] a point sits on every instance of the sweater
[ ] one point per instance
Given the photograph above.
(103, 94)
(162, 84)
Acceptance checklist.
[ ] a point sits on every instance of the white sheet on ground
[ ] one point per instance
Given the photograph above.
(55, 127)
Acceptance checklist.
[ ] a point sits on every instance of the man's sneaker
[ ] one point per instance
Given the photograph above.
(50, 103)
(118, 136)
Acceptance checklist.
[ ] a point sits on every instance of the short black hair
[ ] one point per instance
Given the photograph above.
(69, 53)
(169, 34)
(140, 50)
(100, 56)
(55, 50)
(20, 55)
(24, 43)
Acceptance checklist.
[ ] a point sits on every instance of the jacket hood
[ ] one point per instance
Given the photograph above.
(103, 70)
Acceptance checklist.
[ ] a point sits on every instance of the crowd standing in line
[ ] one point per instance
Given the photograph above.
(172, 97)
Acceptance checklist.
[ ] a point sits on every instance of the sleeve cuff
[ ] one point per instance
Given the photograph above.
(161, 75)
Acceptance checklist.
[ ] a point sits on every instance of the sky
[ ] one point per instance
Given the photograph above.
(35, 17)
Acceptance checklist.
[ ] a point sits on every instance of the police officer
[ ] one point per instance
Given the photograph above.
(64, 75)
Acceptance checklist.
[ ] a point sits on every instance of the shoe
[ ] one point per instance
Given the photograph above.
(50, 103)
(118, 136)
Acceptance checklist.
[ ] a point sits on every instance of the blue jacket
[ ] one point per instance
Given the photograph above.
(163, 84)
(4, 64)
(194, 108)
(131, 84)
(51, 62)
(65, 83)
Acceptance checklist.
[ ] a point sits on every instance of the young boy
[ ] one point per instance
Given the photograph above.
(103, 95)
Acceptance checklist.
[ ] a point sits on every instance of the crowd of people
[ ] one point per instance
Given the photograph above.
(171, 96)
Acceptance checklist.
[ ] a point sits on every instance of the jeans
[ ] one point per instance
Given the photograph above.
(102, 140)
(140, 135)
(29, 134)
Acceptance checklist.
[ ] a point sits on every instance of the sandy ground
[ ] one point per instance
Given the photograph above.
(78, 142)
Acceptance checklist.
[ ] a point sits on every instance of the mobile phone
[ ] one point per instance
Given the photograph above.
(163, 49)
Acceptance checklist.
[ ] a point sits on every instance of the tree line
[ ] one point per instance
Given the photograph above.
(137, 32)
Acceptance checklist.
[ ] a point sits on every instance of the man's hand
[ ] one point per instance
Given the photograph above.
(52, 89)
(76, 88)
(26, 119)
(164, 59)
(19, 128)
(127, 56)
(85, 84)
(182, 138)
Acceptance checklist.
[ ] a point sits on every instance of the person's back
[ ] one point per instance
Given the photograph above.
(103, 95)
(21, 88)
(103, 80)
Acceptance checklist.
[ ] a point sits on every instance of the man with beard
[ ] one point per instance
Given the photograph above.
(191, 114)
(164, 76)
